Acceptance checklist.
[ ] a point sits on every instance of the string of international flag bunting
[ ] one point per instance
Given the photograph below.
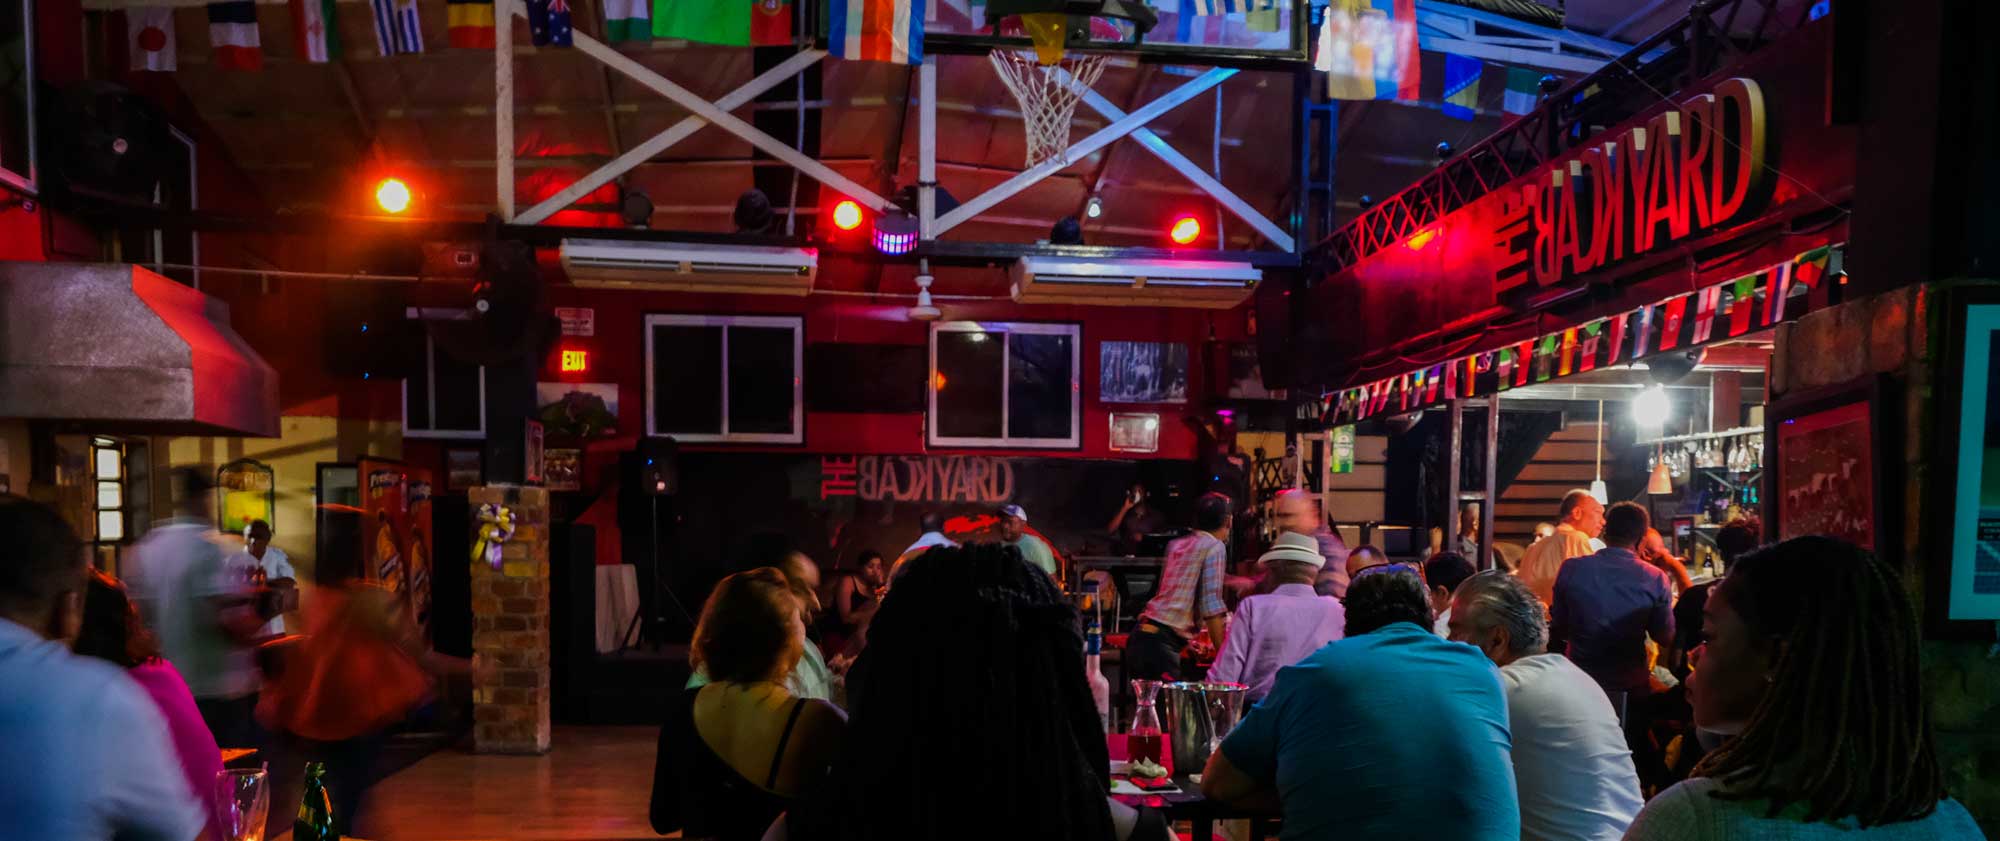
(1368, 48)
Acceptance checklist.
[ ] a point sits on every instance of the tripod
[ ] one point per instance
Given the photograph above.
(654, 631)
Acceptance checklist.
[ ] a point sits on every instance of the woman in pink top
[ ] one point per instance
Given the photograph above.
(112, 631)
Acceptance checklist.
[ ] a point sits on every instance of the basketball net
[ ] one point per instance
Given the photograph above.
(1047, 82)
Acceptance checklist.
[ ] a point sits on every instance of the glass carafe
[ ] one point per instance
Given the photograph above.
(1144, 739)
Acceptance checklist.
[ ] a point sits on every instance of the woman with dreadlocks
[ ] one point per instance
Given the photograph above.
(969, 717)
(1811, 664)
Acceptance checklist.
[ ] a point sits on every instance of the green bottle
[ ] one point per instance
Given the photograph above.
(315, 821)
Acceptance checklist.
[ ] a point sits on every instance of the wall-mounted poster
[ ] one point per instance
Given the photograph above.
(417, 551)
(246, 491)
(1975, 520)
(1135, 432)
(1828, 481)
(464, 468)
(1142, 372)
(577, 410)
(562, 468)
(1341, 439)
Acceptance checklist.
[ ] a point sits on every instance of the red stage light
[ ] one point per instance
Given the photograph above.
(392, 195)
(847, 215)
(1185, 230)
(1422, 238)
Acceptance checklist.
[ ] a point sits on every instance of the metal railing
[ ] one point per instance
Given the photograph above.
(1675, 58)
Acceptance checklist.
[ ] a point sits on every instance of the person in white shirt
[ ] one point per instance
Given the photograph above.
(258, 553)
(1571, 765)
(84, 753)
(1443, 572)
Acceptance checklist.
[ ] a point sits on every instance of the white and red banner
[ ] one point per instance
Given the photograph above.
(149, 34)
(232, 31)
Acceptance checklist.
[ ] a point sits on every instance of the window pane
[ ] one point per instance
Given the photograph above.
(110, 525)
(1038, 385)
(110, 495)
(108, 466)
(458, 404)
(687, 379)
(968, 384)
(761, 375)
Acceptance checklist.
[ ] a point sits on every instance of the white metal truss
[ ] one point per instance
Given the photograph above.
(705, 112)
(1444, 27)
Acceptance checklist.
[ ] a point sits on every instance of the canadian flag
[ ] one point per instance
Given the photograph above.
(150, 33)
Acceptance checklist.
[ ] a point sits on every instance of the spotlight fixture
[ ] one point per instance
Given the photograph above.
(1444, 151)
(1093, 208)
(1367, 201)
(1185, 230)
(847, 215)
(925, 310)
(895, 233)
(392, 195)
(753, 214)
(635, 208)
(1550, 84)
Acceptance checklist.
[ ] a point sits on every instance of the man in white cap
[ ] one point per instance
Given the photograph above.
(1279, 628)
(1034, 550)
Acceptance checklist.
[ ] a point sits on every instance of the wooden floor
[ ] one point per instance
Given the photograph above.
(592, 786)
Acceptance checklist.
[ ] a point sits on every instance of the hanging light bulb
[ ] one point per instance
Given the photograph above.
(1662, 481)
(1651, 408)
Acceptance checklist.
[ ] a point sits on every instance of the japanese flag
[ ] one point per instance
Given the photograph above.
(150, 37)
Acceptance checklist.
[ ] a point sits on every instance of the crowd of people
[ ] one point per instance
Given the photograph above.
(117, 697)
(1389, 699)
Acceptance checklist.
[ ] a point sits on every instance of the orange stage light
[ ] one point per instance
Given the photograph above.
(1185, 230)
(392, 195)
(847, 215)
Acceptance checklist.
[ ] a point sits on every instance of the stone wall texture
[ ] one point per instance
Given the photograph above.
(510, 628)
(1891, 333)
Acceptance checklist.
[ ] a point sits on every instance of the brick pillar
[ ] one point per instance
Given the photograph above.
(510, 627)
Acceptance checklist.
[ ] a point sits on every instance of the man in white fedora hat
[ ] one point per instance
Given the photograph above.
(1279, 628)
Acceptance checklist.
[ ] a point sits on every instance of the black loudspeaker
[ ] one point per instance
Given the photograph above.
(659, 466)
(103, 141)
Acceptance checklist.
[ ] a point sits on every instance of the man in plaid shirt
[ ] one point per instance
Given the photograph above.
(1189, 596)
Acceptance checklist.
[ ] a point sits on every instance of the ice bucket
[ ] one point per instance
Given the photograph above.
(1198, 716)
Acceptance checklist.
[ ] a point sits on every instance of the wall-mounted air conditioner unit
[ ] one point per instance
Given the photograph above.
(1209, 284)
(686, 267)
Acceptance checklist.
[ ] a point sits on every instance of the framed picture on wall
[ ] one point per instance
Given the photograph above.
(464, 468)
(1962, 540)
(562, 468)
(1135, 432)
(1828, 468)
(1142, 372)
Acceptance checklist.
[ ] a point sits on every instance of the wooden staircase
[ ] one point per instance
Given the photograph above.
(1567, 460)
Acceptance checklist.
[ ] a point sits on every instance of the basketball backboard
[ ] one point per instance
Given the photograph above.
(1182, 36)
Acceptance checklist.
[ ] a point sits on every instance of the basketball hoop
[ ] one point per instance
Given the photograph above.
(1047, 82)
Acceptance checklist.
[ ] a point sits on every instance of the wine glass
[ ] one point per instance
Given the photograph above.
(242, 803)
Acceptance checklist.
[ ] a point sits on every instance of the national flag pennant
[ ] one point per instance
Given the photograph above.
(150, 33)
(1545, 357)
(876, 30)
(1779, 290)
(1229, 7)
(1524, 358)
(398, 30)
(1592, 334)
(771, 23)
(725, 22)
(1617, 338)
(1707, 304)
(315, 25)
(1461, 86)
(1743, 296)
(549, 23)
(1672, 313)
(469, 24)
(1368, 48)
(1568, 353)
(628, 20)
(1524, 91)
(232, 31)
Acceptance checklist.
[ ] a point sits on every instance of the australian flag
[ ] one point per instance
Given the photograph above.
(548, 23)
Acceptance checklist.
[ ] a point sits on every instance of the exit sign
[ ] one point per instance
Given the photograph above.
(575, 360)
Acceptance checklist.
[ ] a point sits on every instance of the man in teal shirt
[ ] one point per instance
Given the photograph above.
(1034, 550)
(1387, 735)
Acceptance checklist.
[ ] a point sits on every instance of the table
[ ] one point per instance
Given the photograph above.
(1188, 804)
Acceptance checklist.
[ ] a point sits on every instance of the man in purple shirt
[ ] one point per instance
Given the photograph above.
(1278, 629)
(1189, 596)
(1607, 604)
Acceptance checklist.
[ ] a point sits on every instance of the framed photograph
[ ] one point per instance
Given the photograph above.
(464, 468)
(577, 410)
(1246, 375)
(1828, 467)
(1962, 537)
(531, 470)
(562, 468)
(1142, 372)
(1135, 432)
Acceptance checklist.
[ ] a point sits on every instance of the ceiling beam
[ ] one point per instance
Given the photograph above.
(1562, 62)
(1642, 13)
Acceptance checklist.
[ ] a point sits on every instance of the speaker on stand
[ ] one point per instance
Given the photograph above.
(659, 482)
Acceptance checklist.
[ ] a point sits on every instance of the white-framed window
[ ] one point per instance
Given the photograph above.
(444, 398)
(17, 95)
(176, 190)
(726, 378)
(1004, 384)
